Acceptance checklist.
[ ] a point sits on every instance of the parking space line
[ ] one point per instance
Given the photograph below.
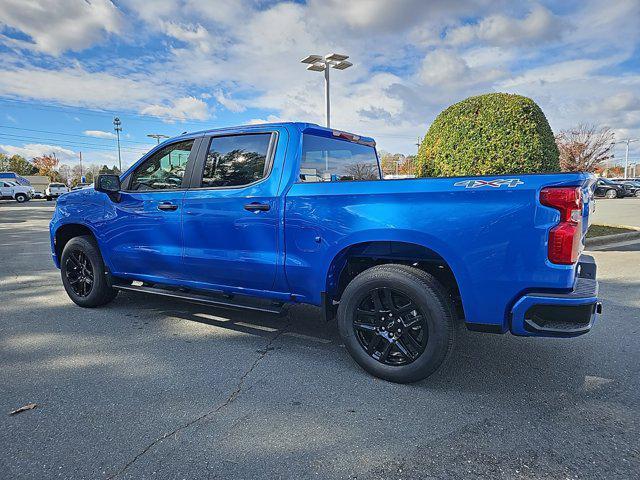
(257, 327)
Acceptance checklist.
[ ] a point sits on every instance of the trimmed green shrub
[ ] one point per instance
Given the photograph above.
(492, 134)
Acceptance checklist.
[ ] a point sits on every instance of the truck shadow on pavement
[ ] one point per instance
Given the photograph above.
(480, 363)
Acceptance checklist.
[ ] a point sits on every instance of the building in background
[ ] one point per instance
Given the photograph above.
(38, 182)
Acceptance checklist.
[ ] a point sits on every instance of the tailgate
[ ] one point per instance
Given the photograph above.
(589, 203)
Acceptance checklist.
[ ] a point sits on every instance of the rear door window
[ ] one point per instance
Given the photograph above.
(237, 160)
(326, 159)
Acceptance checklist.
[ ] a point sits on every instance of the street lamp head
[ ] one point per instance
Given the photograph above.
(336, 57)
(316, 67)
(342, 65)
(312, 59)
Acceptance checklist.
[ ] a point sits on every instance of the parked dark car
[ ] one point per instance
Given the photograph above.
(609, 189)
(631, 186)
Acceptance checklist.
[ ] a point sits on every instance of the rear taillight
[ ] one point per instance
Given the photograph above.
(565, 238)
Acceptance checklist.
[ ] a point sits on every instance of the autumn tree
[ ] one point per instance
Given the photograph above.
(584, 148)
(16, 164)
(46, 165)
(396, 163)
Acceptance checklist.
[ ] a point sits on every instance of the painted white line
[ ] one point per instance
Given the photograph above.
(211, 317)
(257, 327)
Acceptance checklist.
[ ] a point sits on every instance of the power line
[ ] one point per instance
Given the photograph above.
(64, 143)
(68, 134)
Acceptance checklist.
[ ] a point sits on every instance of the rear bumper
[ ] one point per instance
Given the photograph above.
(560, 314)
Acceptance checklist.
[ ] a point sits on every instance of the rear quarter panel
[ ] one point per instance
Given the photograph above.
(494, 239)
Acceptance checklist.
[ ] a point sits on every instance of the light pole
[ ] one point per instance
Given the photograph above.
(317, 63)
(626, 155)
(157, 136)
(117, 126)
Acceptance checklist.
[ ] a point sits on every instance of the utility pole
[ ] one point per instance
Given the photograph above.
(157, 136)
(117, 126)
(318, 63)
(80, 167)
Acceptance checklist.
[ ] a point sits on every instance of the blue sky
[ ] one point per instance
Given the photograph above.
(67, 67)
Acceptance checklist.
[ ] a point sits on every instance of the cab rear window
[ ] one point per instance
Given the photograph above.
(327, 159)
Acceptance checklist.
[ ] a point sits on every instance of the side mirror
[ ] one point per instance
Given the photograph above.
(110, 184)
(107, 183)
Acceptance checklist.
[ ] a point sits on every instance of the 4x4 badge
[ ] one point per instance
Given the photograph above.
(509, 182)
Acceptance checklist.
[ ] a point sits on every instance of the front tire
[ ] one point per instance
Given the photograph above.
(397, 322)
(83, 273)
(21, 197)
(611, 193)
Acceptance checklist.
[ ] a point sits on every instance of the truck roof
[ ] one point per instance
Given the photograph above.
(302, 126)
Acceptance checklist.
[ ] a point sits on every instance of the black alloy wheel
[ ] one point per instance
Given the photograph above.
(390, 327)
(397, 322)
(79, 273)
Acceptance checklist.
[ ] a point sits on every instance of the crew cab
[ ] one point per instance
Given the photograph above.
(19, 193)
(263, 216)
(54, 190)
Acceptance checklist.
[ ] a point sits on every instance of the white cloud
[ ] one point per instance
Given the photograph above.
(32, 150)
(540, 25)
(55, 26)
(227, 102)
(180, 109)
(196, 35)
(623, 101)
(77, 86)
(99, 134)
(442, 67)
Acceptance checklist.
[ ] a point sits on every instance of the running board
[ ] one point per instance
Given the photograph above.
(224, 301)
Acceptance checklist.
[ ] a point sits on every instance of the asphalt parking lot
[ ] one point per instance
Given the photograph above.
(618, 211)
(152, 388)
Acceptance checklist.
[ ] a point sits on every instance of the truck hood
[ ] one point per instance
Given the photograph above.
(86, 195)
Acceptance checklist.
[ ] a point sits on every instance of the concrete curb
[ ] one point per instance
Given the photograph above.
(607, 239)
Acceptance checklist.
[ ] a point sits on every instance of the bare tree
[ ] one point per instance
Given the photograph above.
(584, 148)
(362, 171)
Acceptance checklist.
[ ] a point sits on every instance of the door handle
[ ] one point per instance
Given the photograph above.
(167, 207)
(257, 207)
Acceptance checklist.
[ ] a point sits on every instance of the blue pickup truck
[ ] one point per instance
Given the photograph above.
(263, 216)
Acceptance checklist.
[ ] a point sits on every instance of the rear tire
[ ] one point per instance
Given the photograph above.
(48, 199)
(83, 273)
(21, 197)
(407, 333)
